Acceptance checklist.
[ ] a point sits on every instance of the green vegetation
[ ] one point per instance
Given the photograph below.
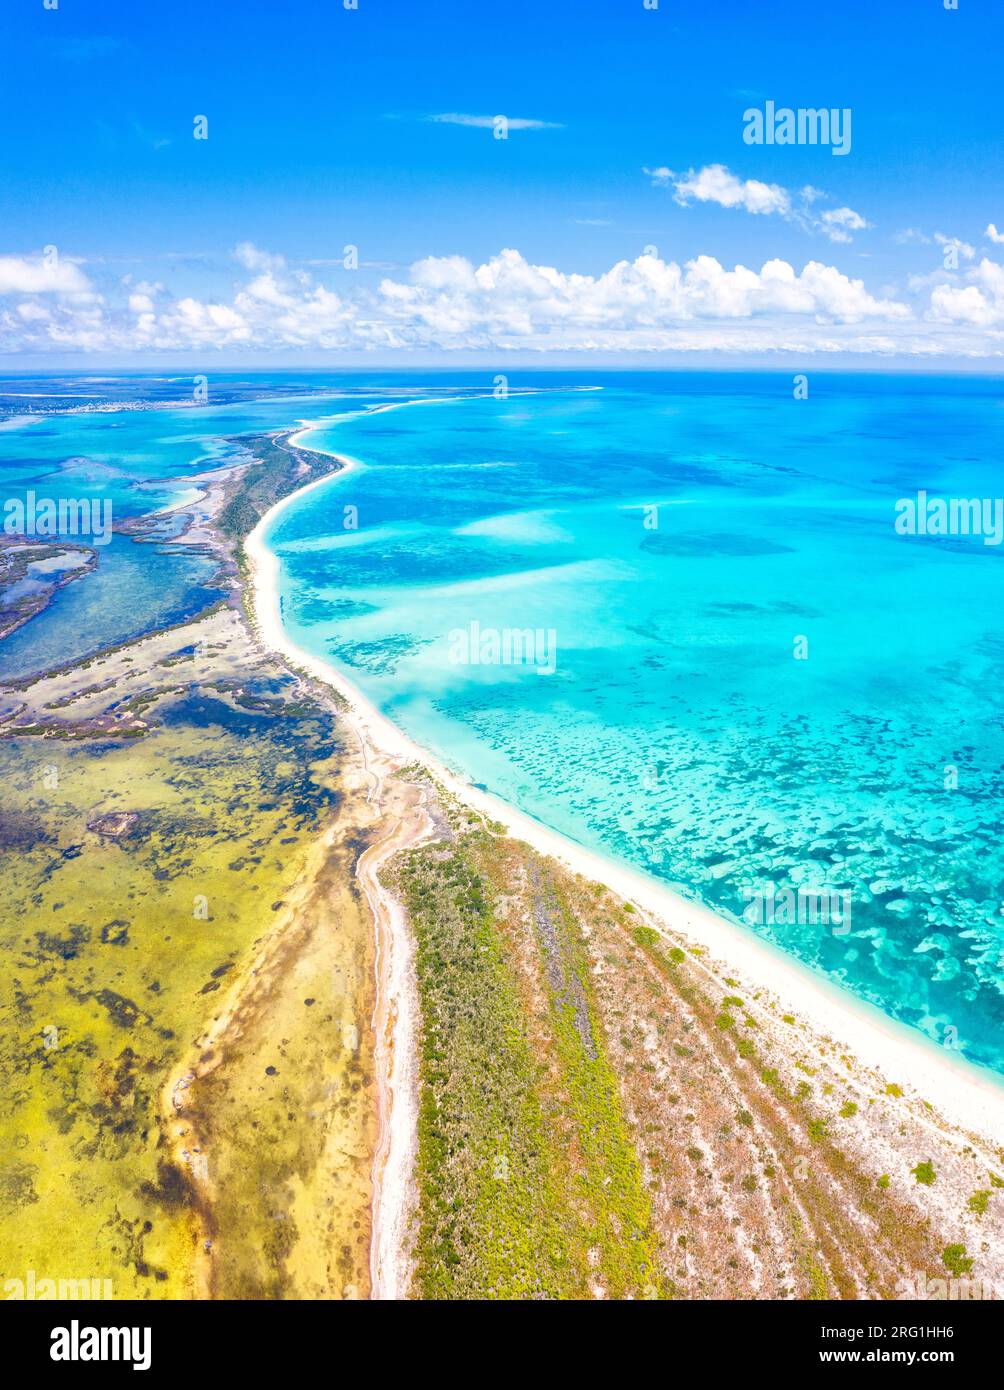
(529, 1183)
(956, 1261)
(924, 1173)
(272, 475)
(647, 936)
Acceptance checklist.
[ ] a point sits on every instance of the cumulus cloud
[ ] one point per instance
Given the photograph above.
(451, 302)
(506, 303)
(980, 302)
(715, 183)
(992, 234)
(252, 258)
(277, 307)
(41, 275)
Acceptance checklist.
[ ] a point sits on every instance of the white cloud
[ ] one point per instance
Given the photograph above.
(448, 303)
(838, 223)
(31, 311)
(717, 184)
(251, 258)
(981, 302)
(452, 303)
(41, 275)
(992, 234)
(488, 122)
(202, 325)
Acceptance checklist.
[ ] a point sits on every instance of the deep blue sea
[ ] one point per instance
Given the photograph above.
(742, 675)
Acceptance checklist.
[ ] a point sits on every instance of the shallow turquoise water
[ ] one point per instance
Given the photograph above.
(678, 730)
(138, 461)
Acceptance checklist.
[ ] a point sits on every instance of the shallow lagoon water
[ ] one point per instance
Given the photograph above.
(757, 682)
(138, 460)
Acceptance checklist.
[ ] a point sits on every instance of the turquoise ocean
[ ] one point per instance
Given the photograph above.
(756, 679)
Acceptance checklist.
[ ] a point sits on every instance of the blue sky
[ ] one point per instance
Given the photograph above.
(319, 136)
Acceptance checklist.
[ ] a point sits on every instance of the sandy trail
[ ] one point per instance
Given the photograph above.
(395, 1023)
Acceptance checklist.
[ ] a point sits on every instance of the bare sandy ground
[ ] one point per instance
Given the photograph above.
(396, 1021)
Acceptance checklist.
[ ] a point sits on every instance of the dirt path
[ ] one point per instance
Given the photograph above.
(408, 824)
(401, 820)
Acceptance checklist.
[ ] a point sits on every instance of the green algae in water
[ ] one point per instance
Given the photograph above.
(112, 951)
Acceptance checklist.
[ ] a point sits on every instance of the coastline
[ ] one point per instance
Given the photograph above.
(835, 1112)
(963, 1093)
